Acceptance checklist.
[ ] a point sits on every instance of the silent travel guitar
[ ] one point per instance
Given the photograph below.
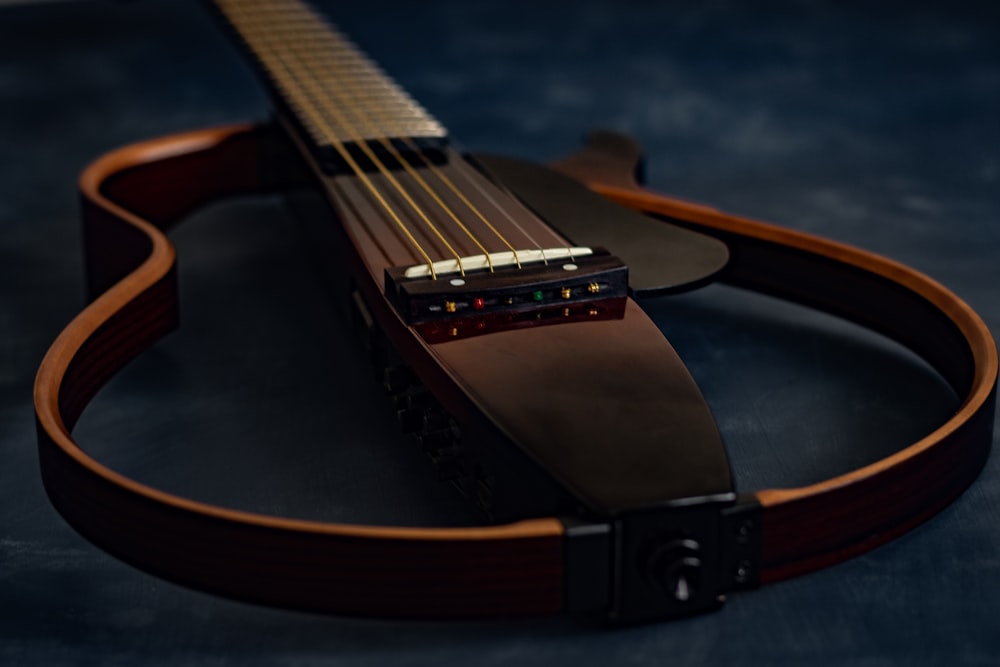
(499, 301)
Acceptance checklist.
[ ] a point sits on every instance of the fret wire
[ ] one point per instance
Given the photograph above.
(293, 24)
(417, 121)
(310, 108)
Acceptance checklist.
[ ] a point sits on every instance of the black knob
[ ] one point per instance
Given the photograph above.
(682, 579)
(674, 566)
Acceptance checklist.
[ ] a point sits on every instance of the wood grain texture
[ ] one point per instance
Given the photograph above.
(435, 572)
(811, 527)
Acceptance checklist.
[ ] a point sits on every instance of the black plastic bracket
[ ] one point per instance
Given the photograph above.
(740, 541)
(677, 560)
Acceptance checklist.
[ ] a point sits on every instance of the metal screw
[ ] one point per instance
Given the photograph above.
(743, 569)
(744, 531)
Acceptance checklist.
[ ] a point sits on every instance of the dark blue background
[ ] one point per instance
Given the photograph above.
(878, 126)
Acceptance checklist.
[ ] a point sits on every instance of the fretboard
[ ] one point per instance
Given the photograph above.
(335, 92)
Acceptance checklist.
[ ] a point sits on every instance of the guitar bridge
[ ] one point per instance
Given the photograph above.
(495, 291)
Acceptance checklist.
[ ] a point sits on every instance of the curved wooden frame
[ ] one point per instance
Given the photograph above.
(366, 570)
(811, 527)
(132, 195)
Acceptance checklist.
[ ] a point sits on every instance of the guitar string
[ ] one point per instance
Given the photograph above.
(243, 23)
(443, 177)
(306, 102)
(464, 167)
(329, 58)
(313, 24)
(360, 57)
(461, 166)
(356, 137)
(426, 187)
(380, 111)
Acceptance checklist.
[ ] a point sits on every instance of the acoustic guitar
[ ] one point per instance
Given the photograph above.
(498, 301)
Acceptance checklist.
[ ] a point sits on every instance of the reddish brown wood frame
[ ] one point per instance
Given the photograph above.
(131, 196)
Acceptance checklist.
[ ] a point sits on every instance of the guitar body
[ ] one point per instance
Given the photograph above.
(132, 196)
(559, 410)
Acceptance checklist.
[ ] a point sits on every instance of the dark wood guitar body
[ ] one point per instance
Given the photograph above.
(566, 417)
(131, 196)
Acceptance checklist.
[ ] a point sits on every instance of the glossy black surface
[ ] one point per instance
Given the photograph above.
(875, 126)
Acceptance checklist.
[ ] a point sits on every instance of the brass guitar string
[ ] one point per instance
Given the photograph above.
(384, 170)
(311, 32)
(388, 145)
(345, 44)
(364, 66)
(240, 21)
(308, 28)
(462, 167)
(292, 84)
(336, 92)
(316, 92)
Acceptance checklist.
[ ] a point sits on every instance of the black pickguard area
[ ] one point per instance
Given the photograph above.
(662, 258)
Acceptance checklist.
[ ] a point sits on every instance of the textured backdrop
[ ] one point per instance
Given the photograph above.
(878, 127)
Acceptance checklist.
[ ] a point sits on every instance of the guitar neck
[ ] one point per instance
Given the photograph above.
(428, 214)
(336, 94)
